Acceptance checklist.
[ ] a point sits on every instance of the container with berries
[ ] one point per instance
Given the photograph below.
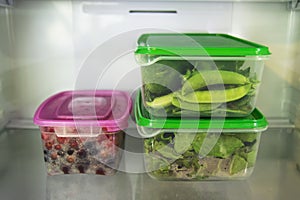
(83, 131)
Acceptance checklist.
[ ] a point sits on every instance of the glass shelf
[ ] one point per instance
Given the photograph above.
(22, 175)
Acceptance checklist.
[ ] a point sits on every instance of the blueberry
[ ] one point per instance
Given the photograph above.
(45, 152)
(70, 151)
(61, 153)
(81, 153)
(81, 169)
(46, 159)
(65, 169)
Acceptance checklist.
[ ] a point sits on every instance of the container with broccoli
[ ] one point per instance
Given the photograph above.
(193, 149)
(199, 74)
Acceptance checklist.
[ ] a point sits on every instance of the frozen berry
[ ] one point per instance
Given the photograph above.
(48, 129)
(70, 159)
(74, 144)
(81, 168)
(70, 151)
(65, 169)
(104, 130)
(51, 129)
(81, 153)
(100, 171)
(61, 140)
(54, 155)
(110, 137)
(61, 153)
(48, 145)
(45, 136)
(45, 152)
(45, 158)
(57, 147)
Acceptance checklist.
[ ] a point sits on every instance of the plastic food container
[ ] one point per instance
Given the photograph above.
(192, 149)
(199, 74)
(83, 131)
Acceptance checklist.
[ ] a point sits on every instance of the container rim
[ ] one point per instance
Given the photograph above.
(255, 122)
(155, 59)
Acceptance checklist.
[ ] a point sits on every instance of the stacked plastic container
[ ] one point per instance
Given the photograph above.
(83, 131)
(196, 108)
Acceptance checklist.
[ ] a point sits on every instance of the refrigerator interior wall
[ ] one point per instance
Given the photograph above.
(61, 45)
(50, 46)
(6, 79)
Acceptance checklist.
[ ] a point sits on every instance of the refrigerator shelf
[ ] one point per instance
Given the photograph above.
(275, 176)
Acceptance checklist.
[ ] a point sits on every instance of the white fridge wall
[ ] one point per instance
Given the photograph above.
(6, 83)
(58, 45)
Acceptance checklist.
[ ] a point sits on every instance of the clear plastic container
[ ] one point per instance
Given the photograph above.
(205, 149)
(83, 131)
(199, 74)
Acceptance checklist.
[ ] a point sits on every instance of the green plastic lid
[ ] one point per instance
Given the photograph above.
(197, 44)
(254, 122)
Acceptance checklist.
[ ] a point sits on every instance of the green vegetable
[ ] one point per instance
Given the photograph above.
(237, 164)
(251, 158)
(247, 137)
(216, 96)
(194, 106)
(212, 77)
(154, 162)
(164, 76)
(162, 101)
(176, 155)
(224, 147)
(168, 152)
(183, 141)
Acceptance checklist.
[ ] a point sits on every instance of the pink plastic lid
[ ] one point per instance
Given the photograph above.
(108, 109)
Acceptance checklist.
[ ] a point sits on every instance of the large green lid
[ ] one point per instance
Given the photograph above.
(197, 44)
(254, 122)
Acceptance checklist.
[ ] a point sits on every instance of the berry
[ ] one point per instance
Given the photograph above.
(61, 153)
(65, 169)
(54, 155)
(45, 159)
(74, 144)
(45, 136)
(100, 171)
(61, 140)
(81, 153)
(104, 130)
(70, 151)
(57, 147)
(70, 159)
(81, 168)
(48, 145)
(111, 137)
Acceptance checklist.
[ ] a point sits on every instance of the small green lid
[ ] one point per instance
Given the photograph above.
(197, 44)
(254, 122)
